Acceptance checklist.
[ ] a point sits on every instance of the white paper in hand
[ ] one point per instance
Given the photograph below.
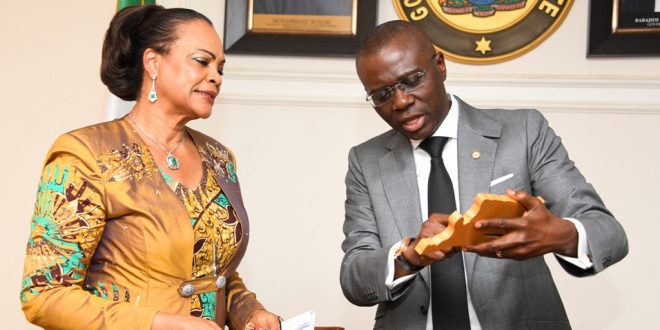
(304, 321)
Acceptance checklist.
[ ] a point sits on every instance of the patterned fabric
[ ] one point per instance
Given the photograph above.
(57, 253)
(217, 233)
(126, 163)
(110, 243)
(219, 160)
(68, 219)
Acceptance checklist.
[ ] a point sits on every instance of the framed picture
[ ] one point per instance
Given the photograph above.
(624, 28)
(295, 27)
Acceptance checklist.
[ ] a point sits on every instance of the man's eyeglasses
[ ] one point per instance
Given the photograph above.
(406, 84)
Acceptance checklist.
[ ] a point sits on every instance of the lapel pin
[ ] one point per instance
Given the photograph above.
(476, 154)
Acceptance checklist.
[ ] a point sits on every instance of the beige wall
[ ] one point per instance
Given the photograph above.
(291, 122)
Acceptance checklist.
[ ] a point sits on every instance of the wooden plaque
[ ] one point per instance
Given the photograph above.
(460, 231)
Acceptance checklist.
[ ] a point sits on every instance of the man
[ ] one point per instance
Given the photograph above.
(390, 188)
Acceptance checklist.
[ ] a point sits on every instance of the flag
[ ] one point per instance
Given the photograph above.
(116, 107)
(121, 4)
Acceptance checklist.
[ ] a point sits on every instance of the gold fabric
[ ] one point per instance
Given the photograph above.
(111, 242)
(217, 234)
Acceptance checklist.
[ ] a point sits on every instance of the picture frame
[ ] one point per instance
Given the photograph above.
(241, 37)
(613, 33)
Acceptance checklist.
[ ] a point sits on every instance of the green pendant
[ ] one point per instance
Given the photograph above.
(153, 96)
(172, 162)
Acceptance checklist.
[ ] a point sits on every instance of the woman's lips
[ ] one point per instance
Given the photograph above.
(210, 96)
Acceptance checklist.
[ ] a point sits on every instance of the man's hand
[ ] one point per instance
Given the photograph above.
(534, 234)
(435, 224)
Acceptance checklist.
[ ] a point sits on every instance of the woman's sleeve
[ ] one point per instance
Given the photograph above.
(241, 303)
(66, 227)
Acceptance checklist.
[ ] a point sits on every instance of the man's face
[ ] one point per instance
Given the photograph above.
(416, 113)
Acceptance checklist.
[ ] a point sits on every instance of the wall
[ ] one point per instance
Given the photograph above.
(291, 121)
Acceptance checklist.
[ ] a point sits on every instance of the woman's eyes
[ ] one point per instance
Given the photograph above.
(205, 62)
(202, 61)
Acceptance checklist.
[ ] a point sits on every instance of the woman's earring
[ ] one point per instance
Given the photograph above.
(152, 93)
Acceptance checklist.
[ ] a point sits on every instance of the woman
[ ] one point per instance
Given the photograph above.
(139, 222)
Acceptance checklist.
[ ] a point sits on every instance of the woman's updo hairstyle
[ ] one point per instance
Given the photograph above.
(131, 31)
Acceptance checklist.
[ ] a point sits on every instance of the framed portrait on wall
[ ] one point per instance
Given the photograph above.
(294, 27)
(624, 28)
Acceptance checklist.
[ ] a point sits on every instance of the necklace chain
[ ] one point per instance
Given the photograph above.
(171, 161)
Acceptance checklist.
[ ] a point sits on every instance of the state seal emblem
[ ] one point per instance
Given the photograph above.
(484, 31)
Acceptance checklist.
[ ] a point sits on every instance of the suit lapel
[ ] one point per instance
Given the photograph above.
(399, 177)
(478, 136)
(400, 185)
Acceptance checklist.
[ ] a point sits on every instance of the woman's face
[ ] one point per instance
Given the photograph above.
(190, 74)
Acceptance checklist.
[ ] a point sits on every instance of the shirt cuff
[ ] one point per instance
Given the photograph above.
(390, 282)
(583, 259)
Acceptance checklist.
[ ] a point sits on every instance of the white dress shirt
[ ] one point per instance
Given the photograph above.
(449, 128)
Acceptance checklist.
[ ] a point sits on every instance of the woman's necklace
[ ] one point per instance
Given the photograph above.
(172, 162)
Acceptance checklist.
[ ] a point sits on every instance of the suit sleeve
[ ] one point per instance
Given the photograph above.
(364, 266)
(568, 195)
(67, 225)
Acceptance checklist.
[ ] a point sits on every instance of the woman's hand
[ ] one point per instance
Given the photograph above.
(264, 320)
(182, 322)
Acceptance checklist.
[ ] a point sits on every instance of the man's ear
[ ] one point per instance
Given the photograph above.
(440, 63)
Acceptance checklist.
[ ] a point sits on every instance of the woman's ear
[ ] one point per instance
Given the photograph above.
(150, 61)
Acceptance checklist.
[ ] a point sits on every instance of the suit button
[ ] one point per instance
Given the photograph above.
(424, 309)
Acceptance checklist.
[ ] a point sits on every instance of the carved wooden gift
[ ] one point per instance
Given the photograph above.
(461, 232)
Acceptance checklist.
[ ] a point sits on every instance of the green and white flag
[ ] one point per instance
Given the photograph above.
(117, 107)
(121, 4)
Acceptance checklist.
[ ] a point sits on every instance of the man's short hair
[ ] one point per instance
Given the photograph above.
(383, 34)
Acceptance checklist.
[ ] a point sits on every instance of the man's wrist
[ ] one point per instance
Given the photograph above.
(401, 259)
(569, 247)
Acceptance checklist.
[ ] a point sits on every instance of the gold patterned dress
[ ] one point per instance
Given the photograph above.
(113, 242)
(216, 233)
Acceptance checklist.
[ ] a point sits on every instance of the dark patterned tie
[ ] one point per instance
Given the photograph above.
(448, 292)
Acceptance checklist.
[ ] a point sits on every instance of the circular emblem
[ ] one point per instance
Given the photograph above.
(484, 31)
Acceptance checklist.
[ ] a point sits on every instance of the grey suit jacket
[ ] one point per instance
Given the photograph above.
(382, 207)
